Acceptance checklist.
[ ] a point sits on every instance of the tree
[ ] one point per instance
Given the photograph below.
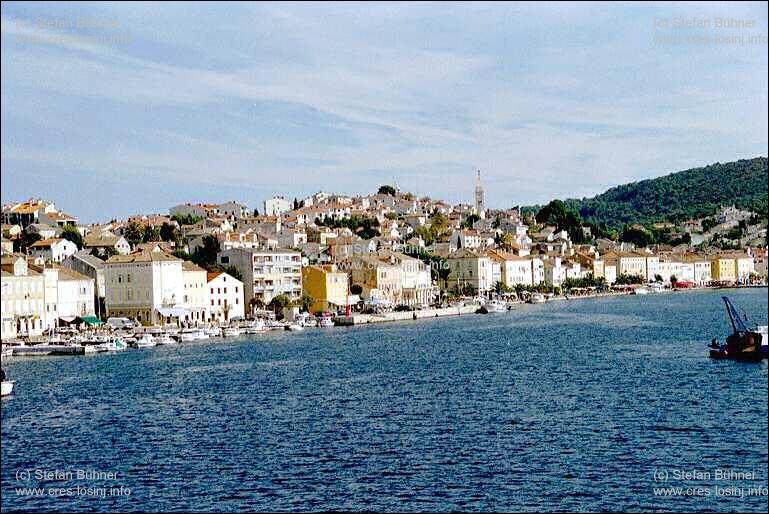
(167, 232)
(469, 221)
(187, 219)
(151, 234)
(134, 233)
(27, 239)
(279, 302)
(104, 253)
(306, 301)
(500, 287)
(71, 233)
(386, 190)
(637, 235)
(205, 254)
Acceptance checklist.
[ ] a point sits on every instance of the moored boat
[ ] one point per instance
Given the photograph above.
(537, 298)
(165, 339)
(744, 344)
(231, 332)
(145, 341)
(7, 387)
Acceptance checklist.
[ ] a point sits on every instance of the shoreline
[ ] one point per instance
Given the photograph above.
(366, 319)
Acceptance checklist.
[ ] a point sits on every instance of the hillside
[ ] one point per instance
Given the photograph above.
(693, 193)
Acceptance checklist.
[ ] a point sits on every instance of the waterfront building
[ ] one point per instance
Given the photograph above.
(74, 294)
(514, 269)
(627, 263)
(379, 279)
(22, 300)
(93, 267)
(147, 285)
(416, 280)
(723, 268)
(226, 297)
(195, 298)
(470, 269)
(52, 250)
(327, 285)
(744, 266)
(266, 273)
(555, 273)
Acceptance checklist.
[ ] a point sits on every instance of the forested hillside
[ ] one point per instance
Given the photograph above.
(693, 193)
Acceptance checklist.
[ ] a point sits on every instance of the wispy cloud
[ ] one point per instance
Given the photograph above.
(547, 100)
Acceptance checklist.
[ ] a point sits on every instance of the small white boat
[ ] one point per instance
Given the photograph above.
(640, 290)
(188, 335)
(214, 332)
(326, 321)
(90, 349)
(146, 341)
(537, 298)
(231, 332)
(495, 306)
(165, 339)
(7, 351)
(7, 387)
(255, 327)
(294, 327)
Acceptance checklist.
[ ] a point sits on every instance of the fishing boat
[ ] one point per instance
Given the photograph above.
(326, 321)
(537, 298)
(294, 327)
(640, 290)
(744, 344)
(7, 351)
(145, 341)
(214, 332)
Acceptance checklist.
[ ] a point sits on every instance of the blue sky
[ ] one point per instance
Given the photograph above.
(114, 109)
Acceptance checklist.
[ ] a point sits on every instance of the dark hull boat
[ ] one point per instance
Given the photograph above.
(743, 344)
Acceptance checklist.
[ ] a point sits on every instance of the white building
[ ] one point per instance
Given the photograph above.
(22, 303)
(266, 273)
(91, 266)
(147, 284)
(226, 297)
(74, 294)
(276, 206)
(53, 250)
(195, 299)
(470, 269)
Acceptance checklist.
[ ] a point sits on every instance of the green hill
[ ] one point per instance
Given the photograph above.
(693, 193)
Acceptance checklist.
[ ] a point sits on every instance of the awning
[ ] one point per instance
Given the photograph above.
(68, 319)
(173, 312)
(91, 320)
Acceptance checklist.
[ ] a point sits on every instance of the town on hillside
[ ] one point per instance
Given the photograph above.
(204, 263)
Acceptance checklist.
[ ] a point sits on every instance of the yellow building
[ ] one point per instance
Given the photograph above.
(326, 286)
(723, 269)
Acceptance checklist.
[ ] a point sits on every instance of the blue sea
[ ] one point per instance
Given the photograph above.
(581, 405)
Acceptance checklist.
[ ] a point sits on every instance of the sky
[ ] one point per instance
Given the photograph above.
(115, 109)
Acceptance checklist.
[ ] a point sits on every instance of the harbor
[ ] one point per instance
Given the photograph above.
(348, 414)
